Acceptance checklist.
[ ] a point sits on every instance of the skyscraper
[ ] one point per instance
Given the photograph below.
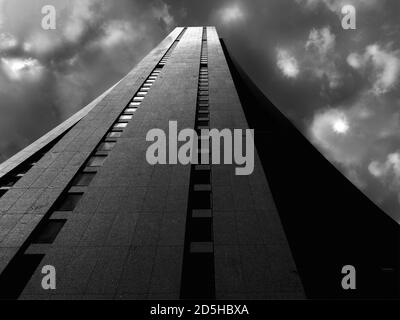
(85, 200)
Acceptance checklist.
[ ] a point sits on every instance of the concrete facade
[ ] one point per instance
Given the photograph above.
(122, 234)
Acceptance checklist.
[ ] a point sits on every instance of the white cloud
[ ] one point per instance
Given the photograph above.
(22, 69)
(388, 172)
(7, 41)
(338, 134)
(117, 32)
(231, 13)
(81, 15)
(42, 42)
(331, 129)
(385, 67)
(320, 47)
(355, 60)
(390, 167)
(287, 63)
(321, 40)
(161, 12)
(350, 134)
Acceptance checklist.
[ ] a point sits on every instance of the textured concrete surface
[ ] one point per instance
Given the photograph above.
(125, 238)
(37, 191)
(251, 253)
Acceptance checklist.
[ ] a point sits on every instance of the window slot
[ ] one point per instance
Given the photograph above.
(68, 202)
(48, 232)
(106, 146)
(125, 117)
(83, 179)
(114, 134)
(121, 125)
(96, 161)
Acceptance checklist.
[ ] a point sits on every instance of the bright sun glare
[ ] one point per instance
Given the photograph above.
(340, 126)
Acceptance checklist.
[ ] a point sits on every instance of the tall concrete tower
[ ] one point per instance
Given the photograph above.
(84, 199)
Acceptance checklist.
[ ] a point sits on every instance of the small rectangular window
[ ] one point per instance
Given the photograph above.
(114, 134)
(120, 125)
(203, 108)
(68, 202)
(83, 179)
(106, 146)
(203, 123)
(125, 117)
(96, 161)
(47, 233)
(130, 110)
(202, 117)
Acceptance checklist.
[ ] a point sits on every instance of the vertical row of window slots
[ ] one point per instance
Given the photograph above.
(11, 179)
(167, 55)
(48, 229)
(46, 232)
(198, 268)
(68, 201)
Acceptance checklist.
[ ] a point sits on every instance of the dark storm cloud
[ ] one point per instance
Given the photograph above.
(339, 87)
(46, 76)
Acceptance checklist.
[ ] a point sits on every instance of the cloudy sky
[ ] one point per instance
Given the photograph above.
(340, 87)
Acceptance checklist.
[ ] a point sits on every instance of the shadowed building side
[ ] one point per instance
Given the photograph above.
(116, 227)
(328, 221)
(87, 202)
